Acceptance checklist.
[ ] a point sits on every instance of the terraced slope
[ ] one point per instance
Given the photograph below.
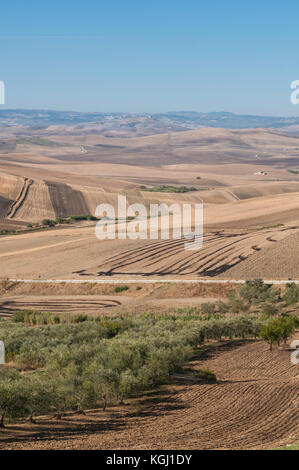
(60, 304)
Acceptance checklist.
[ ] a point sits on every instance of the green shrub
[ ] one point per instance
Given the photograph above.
(206, 374)
(237, 305)
(208, 308)
(121, 289)
(222, 307)
(257, 291)
(61, 220)
(168, 189)
(18, 317)
(48, 222)
(269, 310)
(291, 294)
(278, 330)
(80, 318)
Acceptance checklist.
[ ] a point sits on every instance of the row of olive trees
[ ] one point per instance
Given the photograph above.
(253, 293)
(73, 367)
(256, 294)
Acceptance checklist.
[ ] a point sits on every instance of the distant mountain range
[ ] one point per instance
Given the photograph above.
(142, 123)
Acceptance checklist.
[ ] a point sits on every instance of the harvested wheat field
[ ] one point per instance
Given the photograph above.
(254, 405)
(246, 179)
(75, 253)
(51, 183)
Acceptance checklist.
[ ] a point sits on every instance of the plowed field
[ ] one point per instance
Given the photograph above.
(254, 405)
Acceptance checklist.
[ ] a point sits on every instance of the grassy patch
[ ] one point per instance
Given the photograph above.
(42, 142)
(168, 189)
(266, 227)
(289, 447)
(119, 289)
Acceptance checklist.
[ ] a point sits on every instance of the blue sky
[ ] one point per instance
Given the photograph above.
(150, 56)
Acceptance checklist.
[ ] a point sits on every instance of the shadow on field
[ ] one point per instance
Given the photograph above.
(218, 349)
(95, 422)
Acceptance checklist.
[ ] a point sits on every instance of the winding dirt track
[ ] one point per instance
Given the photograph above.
(254, 405)
(20, 199)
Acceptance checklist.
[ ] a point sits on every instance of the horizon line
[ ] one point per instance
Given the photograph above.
(147, 113)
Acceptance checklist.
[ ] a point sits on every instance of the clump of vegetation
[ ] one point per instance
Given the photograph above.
(74, 366)
(72, 362)
(119, 289)
(269, 310)
(83, 217)
(42, 142)
(278, 330)
(49, 222)
(6, 232)
(238, 305)
(168, 189)
(291, 294)
(208, 308)
(62, 220)
(37, 318)
(206, 374)
(222, 307)
(257, 291)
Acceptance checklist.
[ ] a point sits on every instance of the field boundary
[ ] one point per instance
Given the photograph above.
(146, 281)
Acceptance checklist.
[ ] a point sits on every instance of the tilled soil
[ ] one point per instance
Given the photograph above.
(60, 304)
(253, 405)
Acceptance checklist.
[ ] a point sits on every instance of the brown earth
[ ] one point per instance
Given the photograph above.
(75, 253)
(244, 213)
(253, 405)
(58, 304)
(94, 299)
(4, 205)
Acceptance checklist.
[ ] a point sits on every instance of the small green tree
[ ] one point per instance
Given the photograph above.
(257, 291)
(40, 396)
(208, 308)
(222, 307)
(270, 333)
(276, 330)
(291, 294)
(237, 305)
(13, 398)
(287, 326)
(128, 383)
(101, 384)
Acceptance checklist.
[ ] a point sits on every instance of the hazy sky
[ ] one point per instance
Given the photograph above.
(149, 55)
